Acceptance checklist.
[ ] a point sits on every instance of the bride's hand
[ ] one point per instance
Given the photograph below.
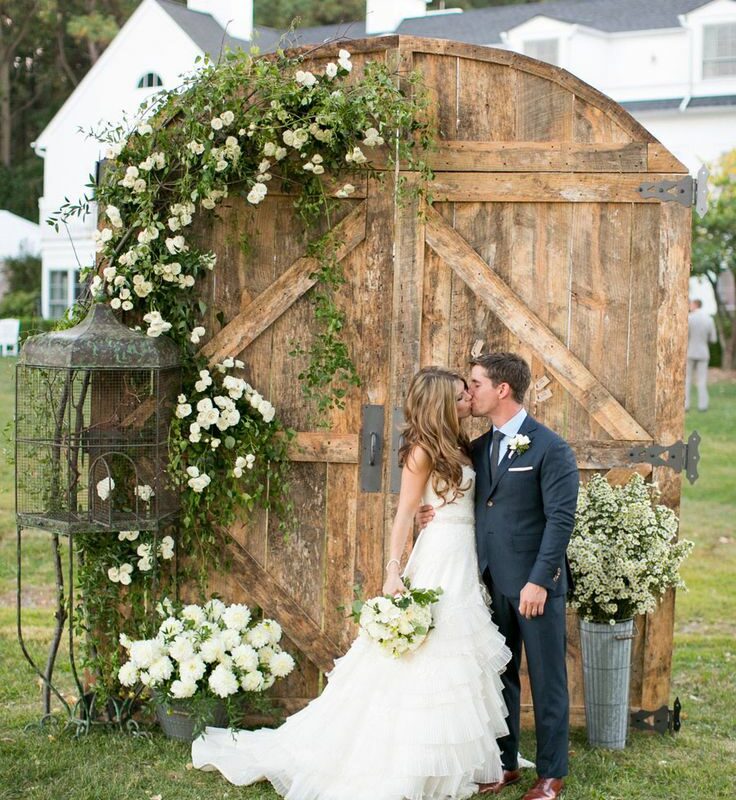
(393, 585)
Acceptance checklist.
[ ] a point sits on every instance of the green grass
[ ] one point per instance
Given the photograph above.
(697, 764)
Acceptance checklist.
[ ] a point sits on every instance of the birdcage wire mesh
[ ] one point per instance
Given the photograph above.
(92, 439)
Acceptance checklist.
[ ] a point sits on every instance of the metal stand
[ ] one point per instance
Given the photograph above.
(81, 715)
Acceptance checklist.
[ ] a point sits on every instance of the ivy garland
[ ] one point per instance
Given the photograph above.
(230, 128)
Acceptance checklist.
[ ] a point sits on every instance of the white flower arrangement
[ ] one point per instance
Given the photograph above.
(400, 624)
(623, 551)
(219, 416)
(519, 444)
(214, 650)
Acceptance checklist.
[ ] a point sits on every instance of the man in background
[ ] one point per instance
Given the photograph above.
(700, 332)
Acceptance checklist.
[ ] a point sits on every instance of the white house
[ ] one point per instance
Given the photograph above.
(18, 237)
(671, 63)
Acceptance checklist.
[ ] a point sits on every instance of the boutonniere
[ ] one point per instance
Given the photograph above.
(519, 444)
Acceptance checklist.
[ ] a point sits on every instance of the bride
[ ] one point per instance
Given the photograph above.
(423, 726)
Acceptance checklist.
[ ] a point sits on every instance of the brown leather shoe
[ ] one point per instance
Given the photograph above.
(545, 789)
(509, 776)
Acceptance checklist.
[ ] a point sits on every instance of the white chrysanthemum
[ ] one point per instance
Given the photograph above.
(245, 657)
(161, 670)
(253, 681)
(274, 630)
(258, 636)
(222, 681)
(230, 638)
(128, 674)
(237, 616)
(181, 649)
(144, 652)
(192, 669)
(212, 649)
(194, 612)
(214, 609)
(170, 627)
(281, 665)
(182, 689)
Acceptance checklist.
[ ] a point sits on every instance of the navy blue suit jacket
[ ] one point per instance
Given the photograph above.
(523, 520)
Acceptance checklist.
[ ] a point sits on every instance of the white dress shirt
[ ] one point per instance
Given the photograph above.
(509, 429)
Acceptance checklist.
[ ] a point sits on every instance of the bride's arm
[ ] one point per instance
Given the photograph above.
(414, 476)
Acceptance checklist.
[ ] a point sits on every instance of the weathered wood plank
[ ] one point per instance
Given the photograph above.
(376, 281)
(594, 454)
(674, 270)
(436, 304)
(333, 448)
(524, 64)
(544, 110)
(544, 187)
(510, 156)
(339, 573)
(268, 593)
(661, 160)
(486, 102)
(283, 293)
(439, 75)
(527, 326)
(594, 124)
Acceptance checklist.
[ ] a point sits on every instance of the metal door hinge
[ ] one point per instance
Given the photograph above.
(679, 456)
(687, 191)
(662, 720)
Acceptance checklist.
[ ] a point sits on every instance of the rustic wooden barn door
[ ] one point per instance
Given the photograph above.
(540, 241)
(264, 302)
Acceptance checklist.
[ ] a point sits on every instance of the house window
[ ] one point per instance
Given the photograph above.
(719, 50)
(543, 49)
(150, 80)
(58, 292)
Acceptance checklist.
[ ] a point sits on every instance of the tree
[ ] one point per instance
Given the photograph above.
(714, 250)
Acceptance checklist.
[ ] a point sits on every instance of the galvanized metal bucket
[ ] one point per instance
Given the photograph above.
(177, 723)
(606, 654)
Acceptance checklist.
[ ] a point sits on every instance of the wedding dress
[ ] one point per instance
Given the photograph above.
(423, 726)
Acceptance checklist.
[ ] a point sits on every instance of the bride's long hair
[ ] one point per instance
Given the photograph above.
(432, 423)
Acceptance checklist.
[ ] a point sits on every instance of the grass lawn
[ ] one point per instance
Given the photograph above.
(697, 764)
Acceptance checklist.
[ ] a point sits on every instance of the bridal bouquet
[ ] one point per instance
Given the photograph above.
(397, 624)
(206, 652)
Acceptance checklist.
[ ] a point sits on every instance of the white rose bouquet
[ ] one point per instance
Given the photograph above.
(207, 653)
(623, 551)
(397, 624)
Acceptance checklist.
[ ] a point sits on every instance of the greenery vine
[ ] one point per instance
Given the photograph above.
(233, 127)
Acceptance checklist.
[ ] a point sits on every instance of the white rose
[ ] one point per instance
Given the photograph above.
(183, 410)
(216, 124)
(196, 334)
(331, 70)
(346, 190)
(227, 117)
(130, 536)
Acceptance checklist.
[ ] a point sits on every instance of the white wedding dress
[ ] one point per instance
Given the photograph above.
(423, 726)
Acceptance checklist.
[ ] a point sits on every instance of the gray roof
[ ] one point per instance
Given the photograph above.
(208, 34)
(477, 26)
(484, 25)
(674, 103)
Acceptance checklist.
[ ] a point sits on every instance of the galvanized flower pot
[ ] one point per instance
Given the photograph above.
(178, 723)
(606, 655)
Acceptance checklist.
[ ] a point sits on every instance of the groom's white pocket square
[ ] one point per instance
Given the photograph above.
(520, 469)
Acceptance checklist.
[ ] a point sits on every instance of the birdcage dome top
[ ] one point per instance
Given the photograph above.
(99, 341)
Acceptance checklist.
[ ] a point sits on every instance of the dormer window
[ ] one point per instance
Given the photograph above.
(543, 49)
(150, 80)
(719, 50)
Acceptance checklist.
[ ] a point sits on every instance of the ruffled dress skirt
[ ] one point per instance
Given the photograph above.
(420, 727)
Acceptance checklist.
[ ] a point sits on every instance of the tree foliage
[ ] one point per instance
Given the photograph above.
(714, 249)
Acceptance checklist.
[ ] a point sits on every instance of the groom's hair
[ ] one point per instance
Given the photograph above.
(506, 368)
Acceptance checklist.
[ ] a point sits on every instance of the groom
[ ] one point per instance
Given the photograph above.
(525, 500)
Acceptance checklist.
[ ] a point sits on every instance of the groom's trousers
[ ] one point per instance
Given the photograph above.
(545, 644)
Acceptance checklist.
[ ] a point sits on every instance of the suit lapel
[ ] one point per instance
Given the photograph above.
(528, 425)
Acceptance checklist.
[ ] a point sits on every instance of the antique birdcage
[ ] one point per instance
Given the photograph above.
(93, 408)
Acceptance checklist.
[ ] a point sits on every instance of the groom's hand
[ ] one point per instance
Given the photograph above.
(424, 516)
(532, 600)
